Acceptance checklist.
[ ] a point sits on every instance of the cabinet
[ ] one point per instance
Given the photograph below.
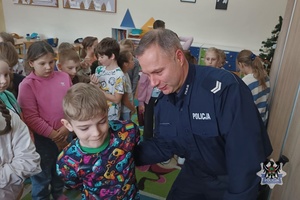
(195, 51)
(120, 33)
(125, 33)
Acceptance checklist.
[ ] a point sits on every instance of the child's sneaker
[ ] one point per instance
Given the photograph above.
(180, 160)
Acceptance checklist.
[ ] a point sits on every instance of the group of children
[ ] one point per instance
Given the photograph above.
(40, 98)
(86, 96)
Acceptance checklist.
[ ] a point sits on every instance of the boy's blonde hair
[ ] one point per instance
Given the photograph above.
(83, 102)
(68, 54)
(65, 45)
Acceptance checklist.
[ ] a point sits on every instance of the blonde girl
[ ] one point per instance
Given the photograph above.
(215, 57)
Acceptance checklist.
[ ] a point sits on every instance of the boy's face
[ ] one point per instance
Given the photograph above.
(129, 66)
(91, 133)
(105, 60)
(70, 67)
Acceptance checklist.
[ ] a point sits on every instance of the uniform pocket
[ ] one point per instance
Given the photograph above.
(204, 128)
(166, 129)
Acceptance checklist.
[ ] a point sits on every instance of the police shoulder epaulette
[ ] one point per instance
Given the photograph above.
(216, 82)
(212, 84)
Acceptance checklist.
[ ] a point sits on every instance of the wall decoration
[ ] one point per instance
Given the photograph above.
(221, 4)
(51, 3)
(127, 20)
(188, 1)
(92, 5)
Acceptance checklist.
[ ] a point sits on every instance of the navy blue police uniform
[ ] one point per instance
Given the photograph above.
(213, 123)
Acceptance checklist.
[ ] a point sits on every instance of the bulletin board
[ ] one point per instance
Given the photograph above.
(51, 3)
(92, 5)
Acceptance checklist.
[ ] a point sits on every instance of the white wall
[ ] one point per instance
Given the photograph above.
(245, 24)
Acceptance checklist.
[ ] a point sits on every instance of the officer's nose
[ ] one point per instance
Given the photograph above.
(154, 81)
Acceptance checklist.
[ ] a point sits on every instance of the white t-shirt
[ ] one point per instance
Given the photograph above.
(111, 81)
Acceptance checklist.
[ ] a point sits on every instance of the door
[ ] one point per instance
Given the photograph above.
(284, 119)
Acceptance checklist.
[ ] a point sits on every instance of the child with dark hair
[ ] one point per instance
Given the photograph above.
(87, 55)
(158, 24)
(127, 44)
(126, 63)
(185, 41)
(257, 80)
(19, 159)
(109, 75)
(40, 97)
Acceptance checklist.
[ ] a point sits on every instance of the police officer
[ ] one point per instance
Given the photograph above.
(205, 115)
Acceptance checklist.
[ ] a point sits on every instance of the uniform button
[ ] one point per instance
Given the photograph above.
(181, 109)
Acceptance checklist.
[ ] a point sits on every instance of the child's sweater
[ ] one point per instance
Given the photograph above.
(41, 101)
(109, 174)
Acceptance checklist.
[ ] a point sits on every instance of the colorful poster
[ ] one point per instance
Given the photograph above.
(93, 5)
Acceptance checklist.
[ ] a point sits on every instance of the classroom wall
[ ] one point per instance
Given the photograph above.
(244, 24)
(2, 22)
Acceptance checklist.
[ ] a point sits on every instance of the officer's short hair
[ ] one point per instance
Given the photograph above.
(166, 39)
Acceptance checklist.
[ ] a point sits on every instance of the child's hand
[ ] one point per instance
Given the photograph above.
(63, 132)
(60, 145)
(141, 109)
(94, 79)
(133, 111)
(84, 64)
(54, 136)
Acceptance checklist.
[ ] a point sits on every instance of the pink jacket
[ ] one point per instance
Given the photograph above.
(41, 101)
(144, 89)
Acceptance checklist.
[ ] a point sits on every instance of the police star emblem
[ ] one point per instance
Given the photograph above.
(271, 173)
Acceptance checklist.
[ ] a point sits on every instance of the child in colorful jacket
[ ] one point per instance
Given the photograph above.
(99, 162)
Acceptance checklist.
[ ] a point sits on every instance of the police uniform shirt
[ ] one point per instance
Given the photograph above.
(211, 121)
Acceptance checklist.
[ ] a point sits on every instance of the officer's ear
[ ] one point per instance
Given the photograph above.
(179, 56)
